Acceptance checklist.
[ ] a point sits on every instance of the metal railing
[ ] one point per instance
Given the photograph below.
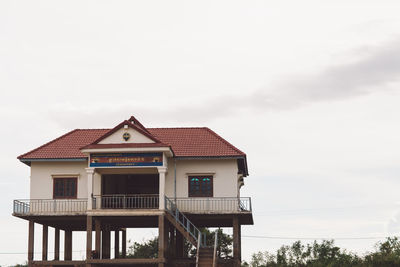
(126, 201)
(215, 258)
(214, 204)
(30, 206)
(171, 207)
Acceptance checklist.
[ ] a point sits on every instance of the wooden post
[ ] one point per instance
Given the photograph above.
(97, 226)
(45, 238)
(236, 241)
(162, 240)
(123, 243)
(179, 245)
(68, 245)
(89, 223)
(31, 237)
(106, 242)
(56, 244)
(116, 244)
(171, 243)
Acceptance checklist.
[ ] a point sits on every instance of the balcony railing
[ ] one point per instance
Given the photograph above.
(196, 205)
(126, 202)
(214, 204)
(49, 206)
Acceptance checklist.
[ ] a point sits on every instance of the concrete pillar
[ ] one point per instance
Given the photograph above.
(97, 226)
(89, 223)
(106, 238)
(116, 244)
(45, 238)
(90, 174)
(236, 241)
(162, 240)
(31, 242)
(161, 173)
(56, 244)
(68, 245)
(123, 243)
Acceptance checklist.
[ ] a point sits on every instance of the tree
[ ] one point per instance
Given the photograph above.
(148, 249)
(224, 245)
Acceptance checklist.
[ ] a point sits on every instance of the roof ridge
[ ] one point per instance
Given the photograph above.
(224, 141)
(48, 143)
(92, 129)
(152, 128)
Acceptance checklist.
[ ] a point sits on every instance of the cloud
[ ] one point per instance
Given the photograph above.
(372, 72)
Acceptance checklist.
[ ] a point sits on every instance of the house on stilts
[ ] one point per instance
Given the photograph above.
(104, 181)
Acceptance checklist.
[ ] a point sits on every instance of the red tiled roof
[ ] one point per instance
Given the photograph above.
(185, 142)
(195, 142)
(66, 146)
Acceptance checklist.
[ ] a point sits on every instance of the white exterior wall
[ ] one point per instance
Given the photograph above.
(41, 182)
(224, 173)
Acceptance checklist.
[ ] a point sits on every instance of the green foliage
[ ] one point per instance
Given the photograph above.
(224, 247)
(148, 249)
(326, 254)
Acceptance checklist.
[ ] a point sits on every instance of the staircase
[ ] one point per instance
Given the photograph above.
(205, 255)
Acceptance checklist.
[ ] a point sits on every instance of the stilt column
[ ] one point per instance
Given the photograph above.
(162, 240)
(31, 241)
(45, 238)
(236, 241)
(97, 226)
(106, 236)
(179, 245)
(123, 243)
(56, 244)
(89, 223)
(116, 244)
(68, 245)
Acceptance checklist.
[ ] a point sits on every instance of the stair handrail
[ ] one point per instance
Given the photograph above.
(172, 208)
(198, 249)
(215, 249)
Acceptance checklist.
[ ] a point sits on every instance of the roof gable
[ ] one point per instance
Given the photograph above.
(127, 132)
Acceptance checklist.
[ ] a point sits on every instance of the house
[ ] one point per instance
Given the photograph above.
(103, 181)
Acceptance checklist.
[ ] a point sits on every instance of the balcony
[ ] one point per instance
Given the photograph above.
(212, 205)
(50, 206)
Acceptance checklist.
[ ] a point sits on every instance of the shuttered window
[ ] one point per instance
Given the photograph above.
(200, 186)
(64, 187)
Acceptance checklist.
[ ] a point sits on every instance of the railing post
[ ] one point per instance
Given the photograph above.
(198, 249)
(54, 205)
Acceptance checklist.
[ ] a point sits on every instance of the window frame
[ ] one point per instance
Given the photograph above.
(65, 178)
(201, 176)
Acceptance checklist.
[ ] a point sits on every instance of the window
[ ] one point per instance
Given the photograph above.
(200, 186)
(64, 187)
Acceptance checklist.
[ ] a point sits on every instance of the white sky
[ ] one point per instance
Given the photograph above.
(308, 89)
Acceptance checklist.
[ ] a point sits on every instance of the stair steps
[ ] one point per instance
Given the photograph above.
(206, 256)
